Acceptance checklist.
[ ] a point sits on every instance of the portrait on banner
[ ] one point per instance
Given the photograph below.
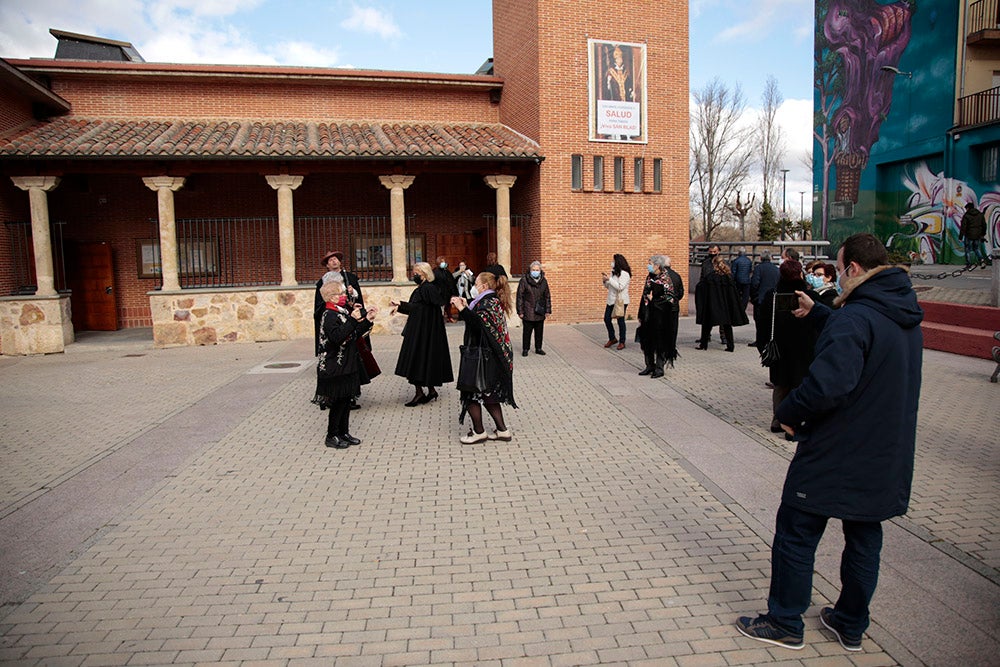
(617, 92)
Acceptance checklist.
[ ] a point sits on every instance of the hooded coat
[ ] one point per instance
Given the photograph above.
(855, 413)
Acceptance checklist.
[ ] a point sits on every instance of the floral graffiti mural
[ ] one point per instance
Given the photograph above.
(931, 224)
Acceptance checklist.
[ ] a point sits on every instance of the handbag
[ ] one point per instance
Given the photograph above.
(540, 308)
(476, 370)
(770, 355)
(619, 308)
(367, 358)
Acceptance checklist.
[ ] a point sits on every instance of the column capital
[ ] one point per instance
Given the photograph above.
(500, 180)
(45, 183)
(174, 183)
(396, 181)
(284, 181)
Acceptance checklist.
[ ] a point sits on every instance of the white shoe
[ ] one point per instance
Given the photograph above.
(472, 438)
(505, 436)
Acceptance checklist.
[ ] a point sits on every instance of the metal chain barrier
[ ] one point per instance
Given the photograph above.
(950, 274)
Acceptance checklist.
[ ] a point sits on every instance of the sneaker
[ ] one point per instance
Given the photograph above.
(763, 630)
(850, 643)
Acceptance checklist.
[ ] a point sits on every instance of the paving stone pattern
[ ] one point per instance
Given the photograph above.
(581, 542)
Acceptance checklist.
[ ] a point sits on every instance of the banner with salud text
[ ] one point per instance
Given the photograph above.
(617, 91)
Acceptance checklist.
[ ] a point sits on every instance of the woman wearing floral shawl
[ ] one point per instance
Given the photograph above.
(485, 320)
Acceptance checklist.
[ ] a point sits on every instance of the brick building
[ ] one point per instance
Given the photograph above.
(198, 199)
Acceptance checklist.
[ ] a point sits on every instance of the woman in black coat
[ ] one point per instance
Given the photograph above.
(659, 309)
(424, 358)
(719, 304)
(795, 336)
(339, 371)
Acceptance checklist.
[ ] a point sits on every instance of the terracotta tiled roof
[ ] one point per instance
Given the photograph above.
(74, 137)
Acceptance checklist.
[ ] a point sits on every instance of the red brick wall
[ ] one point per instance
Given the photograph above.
(15, 110)
(125, 96)
(580, 231)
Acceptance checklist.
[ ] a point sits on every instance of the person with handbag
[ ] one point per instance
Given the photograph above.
(793, 337)
(534, 303)
(617, 285)
(659, 309)
(424, 359)
(339, 370)
(486, 369)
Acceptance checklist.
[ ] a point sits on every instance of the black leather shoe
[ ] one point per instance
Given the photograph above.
(701, 347)
(354, 405)
(350, 439)
(657, 373)
(646, 371)
(524, 353)
(427, 398)
(753, 344)
(336, 443)
(540, 352)
(419, 399)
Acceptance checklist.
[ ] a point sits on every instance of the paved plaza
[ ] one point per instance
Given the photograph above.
(178, 507)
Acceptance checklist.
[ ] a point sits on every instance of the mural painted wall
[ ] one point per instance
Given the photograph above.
(884, 97)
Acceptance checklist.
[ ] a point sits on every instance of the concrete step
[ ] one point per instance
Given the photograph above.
(966, 341)
(973, 317)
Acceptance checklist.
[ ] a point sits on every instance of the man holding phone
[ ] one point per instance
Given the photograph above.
(854, 417)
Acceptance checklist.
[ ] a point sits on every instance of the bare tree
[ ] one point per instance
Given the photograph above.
(740, 210)
(769, 137)
(721, 154)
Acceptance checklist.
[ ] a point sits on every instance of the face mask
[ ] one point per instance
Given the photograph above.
(536, 274)
(341, 300)
(649, 268)
(840, 288)
(443, 265)
(814, 281)
(474, 291)
(417, 279)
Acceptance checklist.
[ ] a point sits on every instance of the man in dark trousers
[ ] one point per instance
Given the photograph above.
(742, 267)
(972, 233)
(854, 418)
(762, 280)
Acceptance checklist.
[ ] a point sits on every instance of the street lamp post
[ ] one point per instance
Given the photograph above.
(784, 201)
(802, 211)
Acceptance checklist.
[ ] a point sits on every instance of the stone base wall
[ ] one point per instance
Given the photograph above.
(253, 315)
(35, 325)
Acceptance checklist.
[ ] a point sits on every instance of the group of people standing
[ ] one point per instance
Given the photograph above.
(481, 302)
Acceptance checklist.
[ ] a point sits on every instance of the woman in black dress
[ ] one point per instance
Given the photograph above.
(424, 358)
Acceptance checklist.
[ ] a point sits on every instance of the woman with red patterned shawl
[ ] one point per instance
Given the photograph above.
(485, 320)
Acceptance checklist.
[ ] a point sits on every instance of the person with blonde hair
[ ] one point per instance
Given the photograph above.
(424, 359)
(339, 370)
(486, 336)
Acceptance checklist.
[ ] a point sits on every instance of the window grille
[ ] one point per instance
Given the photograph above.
(23, 257)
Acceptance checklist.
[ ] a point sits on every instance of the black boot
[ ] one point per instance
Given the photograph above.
(650, 366)
(658, 367)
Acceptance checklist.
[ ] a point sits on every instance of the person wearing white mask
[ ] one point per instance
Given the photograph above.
(533, 304)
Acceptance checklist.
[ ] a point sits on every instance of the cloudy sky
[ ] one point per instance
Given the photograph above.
(739, 41)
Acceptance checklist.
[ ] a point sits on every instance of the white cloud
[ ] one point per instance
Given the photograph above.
(371, 20)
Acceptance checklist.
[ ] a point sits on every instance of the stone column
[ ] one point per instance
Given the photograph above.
(502, 184)
(396, 184)
(165, 187)
(284, 184)
(41, 240)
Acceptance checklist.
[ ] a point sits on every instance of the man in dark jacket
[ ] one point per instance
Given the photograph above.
(742, 266)
(762, 281)
(972, 233)
(855, 418)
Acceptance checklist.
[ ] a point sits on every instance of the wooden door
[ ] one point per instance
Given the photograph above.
(459, 248)
(93, 283)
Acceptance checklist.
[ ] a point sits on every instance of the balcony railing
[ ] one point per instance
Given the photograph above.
(983, 15)
(979, 108)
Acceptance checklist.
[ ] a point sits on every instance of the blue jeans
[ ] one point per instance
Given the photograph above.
(796, 535)
(975, 248)
(611, 329)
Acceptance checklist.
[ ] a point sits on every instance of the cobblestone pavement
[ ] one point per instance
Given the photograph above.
(203, 522)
